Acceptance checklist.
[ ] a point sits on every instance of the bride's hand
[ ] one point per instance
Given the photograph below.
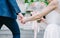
(23, 21)
(43, 20)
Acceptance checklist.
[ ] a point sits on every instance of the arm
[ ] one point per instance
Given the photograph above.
(13, 6)
(52, 6)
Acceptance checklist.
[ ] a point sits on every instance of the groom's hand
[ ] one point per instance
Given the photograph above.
(20, 16)
(23, 21)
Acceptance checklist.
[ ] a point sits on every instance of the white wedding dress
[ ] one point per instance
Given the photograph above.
(53, 28)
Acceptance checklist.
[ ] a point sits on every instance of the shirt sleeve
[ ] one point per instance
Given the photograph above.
(14, 6)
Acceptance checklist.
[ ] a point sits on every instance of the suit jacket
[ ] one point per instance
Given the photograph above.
(9, 8)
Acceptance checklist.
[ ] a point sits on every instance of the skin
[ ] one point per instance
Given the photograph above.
(53, 4)
(20, 16)
(49, 1)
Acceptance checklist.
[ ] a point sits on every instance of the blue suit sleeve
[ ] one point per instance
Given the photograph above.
(13, 5)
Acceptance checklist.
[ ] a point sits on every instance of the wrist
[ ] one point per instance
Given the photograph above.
(19, 14)
(27, 20)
